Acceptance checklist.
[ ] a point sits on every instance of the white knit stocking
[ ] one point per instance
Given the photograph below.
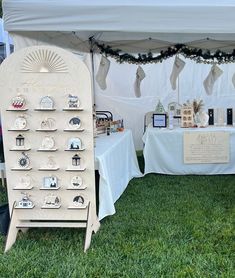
(177, 68)
(140, 75)
(102, 72)
(213, 75)
(233, 80)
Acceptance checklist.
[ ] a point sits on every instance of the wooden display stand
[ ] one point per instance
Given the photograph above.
(50, 169)
(187, 119)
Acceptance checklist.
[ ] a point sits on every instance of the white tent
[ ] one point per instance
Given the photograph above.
(128, 25)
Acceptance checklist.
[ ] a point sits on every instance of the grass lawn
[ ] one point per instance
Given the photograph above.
(165, 226)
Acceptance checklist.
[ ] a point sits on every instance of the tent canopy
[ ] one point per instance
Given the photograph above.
(124, 24)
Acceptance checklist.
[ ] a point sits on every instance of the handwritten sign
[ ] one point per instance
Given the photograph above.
(206, 147)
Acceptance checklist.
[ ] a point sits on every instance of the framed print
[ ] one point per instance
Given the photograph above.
(159, 120)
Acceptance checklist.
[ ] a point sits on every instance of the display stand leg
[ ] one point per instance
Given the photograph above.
(13, 231)
(24, 230)
(88, 229)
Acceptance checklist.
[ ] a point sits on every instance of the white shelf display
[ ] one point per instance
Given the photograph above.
(48, 89)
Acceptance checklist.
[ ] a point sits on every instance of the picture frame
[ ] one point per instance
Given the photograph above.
(160, 120)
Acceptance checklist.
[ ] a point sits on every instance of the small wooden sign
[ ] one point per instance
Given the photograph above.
(206, 147)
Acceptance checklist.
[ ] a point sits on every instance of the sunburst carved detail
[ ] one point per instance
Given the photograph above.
(44, 61)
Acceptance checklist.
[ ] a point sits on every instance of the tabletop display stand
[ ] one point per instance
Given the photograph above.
(46, 110)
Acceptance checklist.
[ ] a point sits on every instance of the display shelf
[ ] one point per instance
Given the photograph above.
(82, 187)
(48, 169)
(46, 130)
(47, 150)
(44, 109)
(23, 188)
(50, 207)
(78, 207)
(75, 169)
(20, 149)
(15, 129)
(20, 110)
(21, 169)
(51, 188)
(75, 150)
(18, 207)
(73, 109)
(74, 130)
(47, 112)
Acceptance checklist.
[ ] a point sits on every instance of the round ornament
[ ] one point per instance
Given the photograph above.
(48, 123)
(20, 123)
(78, 201)
(48, 142)
(75, 123)
(76, 181)
(24, 161)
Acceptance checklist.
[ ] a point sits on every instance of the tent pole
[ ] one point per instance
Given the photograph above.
(178, 90)
(92, 69)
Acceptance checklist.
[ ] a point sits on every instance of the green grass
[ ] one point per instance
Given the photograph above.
(165, 226)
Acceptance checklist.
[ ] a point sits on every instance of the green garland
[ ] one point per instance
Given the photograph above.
(198, 55)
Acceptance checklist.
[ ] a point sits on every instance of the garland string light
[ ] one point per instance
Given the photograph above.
(198, 55)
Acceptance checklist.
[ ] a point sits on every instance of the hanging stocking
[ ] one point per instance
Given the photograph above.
(102, 72)
(177, 68)
(140, 75)
(233, 80)
(213, 75)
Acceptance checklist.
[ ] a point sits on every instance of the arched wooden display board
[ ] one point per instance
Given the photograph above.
(46, 109)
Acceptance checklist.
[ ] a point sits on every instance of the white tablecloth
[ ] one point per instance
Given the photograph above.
(163, 153)
(116, 161)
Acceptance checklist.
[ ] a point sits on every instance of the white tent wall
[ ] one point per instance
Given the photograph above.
(119, 97)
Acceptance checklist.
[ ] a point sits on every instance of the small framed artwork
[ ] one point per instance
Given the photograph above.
(159, 120)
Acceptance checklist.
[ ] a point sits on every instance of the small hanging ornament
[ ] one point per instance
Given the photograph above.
(20, 140)
(24, 161)
(73, 101)
(76, 160)
(18, 102)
